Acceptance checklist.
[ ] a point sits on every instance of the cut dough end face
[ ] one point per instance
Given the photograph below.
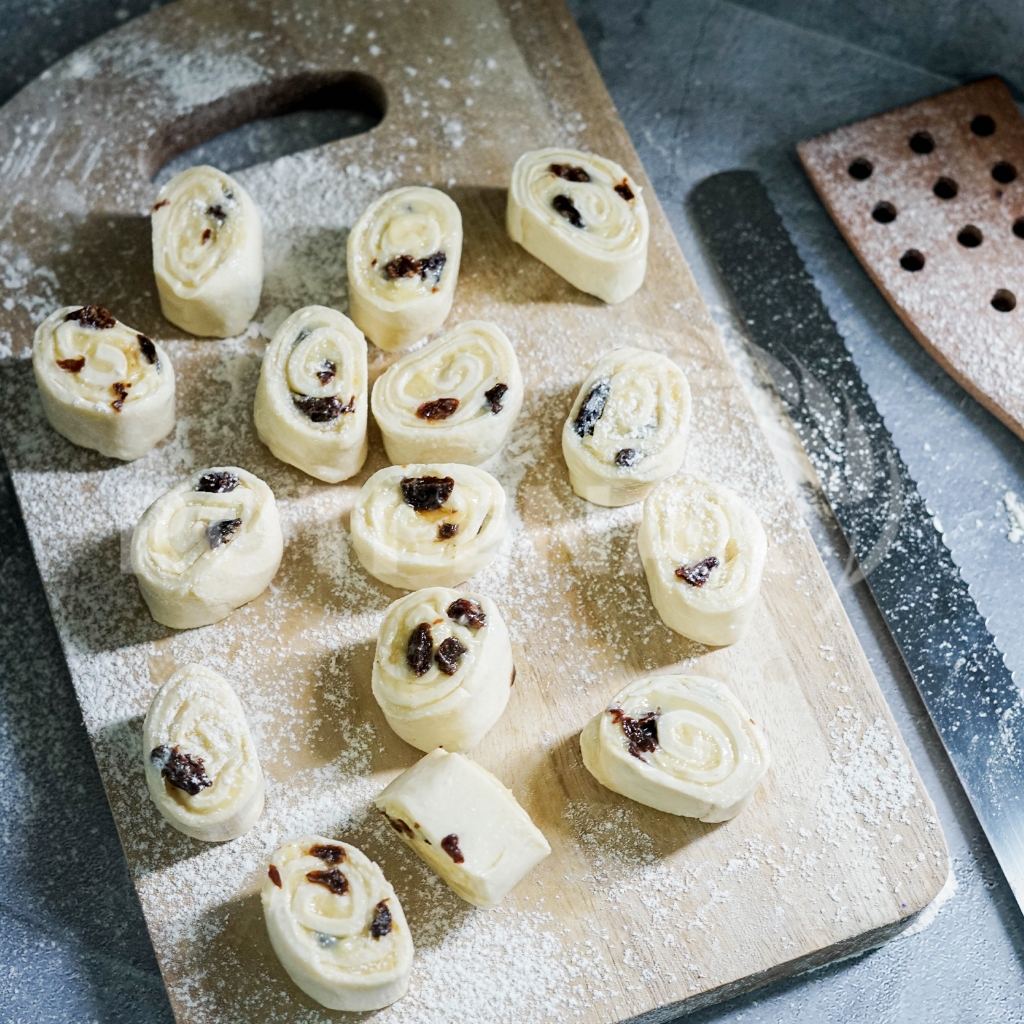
(454, 400)
(680, 744)
(207, 253)
(207, 546)
(428, 524)
(465, 824)
(403, 259)
(102, 384)
(311, 400)
(336, 924)
(628, 427)
(443, 668)
(703, 550)
(201, 765)
(583, 216)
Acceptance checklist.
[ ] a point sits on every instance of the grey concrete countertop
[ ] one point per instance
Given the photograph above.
(702, 86)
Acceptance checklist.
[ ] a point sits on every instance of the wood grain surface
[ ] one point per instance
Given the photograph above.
(635, 913)
(938, 223)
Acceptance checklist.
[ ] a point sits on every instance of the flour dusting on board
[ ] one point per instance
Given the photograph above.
(634, 908)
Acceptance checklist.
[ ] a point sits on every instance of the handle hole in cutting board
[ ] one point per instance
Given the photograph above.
(264, 124)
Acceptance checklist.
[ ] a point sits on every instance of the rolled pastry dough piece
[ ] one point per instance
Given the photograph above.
(703, 550)
(102, 384)
(465, 824)
(311, 400)
(681, 744)
(403, 262)
(628, 427)
(207, 546)
(428, 524)
(201, 765)
(455, 400)
(336, 924)
(584, 217)
(207, 253)
(443, 668)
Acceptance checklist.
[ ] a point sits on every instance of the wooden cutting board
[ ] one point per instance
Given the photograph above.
(635, 912)
(931, 199)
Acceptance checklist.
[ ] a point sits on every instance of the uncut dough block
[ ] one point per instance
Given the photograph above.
(568, 570)
(973, 254)
(465, 824)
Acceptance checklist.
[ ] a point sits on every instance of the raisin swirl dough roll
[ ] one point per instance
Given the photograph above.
(681, 744)
(443, 668)
(206, 547)
(428, 524)
(310, 408)
(628, 427)
(584, 217)
(103, 385)
(703, 550)
(207, 253)
(201, 765)
(456, 400)
(336, 924)
(403, 262)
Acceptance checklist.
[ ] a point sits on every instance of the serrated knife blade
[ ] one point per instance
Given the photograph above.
(968, 690)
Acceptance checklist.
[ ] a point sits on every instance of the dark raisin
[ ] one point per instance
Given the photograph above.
(274, 875)
(217, 212)
(402, 266)
(567, 208)
(97, 317)
(221, 531)
(433, 264)
(494, 397)
(207, 235)
(326, 374)
(332, 878)
(120, 391)
(72, 365)
(592, 408)
(624, 190)
(148, 348)
(450, 845)
(447, 530)
(467, 613)
(217, 482)
(449, 654)
(330, 853)
(569, 173)
(183, 771)
(697, 575)
(161, 204)
(381, 923)
(419, 648)
(426, 493)
(438, 409)
(642, 732)
(323, 410)
(401, 827)
(626, 457)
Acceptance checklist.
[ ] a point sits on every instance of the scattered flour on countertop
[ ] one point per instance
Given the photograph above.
(1015, 511)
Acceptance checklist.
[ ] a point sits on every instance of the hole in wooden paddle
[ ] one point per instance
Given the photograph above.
(983, 125)
(922, 142)
(884, 213)
(268, 122)
(1004, 173)
(970, 237)
(945, 188)
(1018, 227)
(912, 260)
(861, 169)
(1004, 301)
